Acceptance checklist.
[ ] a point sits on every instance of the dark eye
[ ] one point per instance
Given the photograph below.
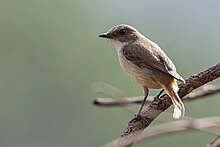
(122, 31)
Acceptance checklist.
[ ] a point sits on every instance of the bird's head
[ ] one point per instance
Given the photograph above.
(122, 33)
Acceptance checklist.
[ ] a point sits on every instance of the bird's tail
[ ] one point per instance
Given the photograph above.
(172, 89)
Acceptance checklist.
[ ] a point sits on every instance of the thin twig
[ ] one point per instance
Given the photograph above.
(215, 142)
(206, 90)
(203, 124)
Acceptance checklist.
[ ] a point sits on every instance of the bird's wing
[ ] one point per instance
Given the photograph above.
(144, 58)
(170, 68)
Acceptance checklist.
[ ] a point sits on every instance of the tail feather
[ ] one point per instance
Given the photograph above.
(179, 109)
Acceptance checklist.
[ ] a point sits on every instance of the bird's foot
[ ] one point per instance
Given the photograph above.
(156, 98)
(136, 118)
(141, 119)
(158, 95)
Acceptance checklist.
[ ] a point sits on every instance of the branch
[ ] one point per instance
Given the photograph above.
(214, 143)
(206, 90)
(136, 127)
(210, 124)
(203, 124)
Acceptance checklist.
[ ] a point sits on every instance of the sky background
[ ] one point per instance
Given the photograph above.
(50, 56)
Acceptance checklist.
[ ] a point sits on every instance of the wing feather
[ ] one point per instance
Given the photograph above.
(150, 58)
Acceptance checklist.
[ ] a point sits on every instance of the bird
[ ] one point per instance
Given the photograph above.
(146, 64)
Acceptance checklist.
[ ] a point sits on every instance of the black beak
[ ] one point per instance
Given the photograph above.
(105, 35)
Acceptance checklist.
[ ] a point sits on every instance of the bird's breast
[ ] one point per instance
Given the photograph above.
(145, 77)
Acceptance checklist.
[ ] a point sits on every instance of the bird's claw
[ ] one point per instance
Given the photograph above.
(137, 118)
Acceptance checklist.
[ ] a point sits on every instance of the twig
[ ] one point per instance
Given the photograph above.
(214, 143)
(206, 90)
(203, 124)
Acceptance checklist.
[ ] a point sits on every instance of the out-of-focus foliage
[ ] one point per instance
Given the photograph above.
(50, 55)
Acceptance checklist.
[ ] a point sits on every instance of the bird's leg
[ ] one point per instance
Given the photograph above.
(143, 102)
(142, 105)
(138, 117)
(158, 95)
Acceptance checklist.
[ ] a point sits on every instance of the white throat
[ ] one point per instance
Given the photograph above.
(118, 45)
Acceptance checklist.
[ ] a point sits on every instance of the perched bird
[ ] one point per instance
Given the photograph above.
(145, 62)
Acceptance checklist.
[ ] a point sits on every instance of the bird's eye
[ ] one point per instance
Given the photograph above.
(122, 31)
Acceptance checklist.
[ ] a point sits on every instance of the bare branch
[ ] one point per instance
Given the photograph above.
(110, 102)
(207, 90)
(157, 106)
(210, 124)
(204, 124)
(214, 143)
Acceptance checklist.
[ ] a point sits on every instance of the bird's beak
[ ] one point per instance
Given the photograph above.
(105, 35)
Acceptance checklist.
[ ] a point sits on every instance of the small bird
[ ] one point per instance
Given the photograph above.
(146, 63)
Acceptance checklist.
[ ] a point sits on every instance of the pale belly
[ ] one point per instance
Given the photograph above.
(144, 77)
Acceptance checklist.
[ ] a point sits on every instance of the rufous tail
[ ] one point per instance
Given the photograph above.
(172, 89)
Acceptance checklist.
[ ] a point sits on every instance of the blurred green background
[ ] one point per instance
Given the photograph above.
(50, 55)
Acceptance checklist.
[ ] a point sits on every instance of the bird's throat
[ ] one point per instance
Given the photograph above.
(118, 45)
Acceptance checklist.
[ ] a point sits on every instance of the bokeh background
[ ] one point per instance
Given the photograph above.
(50, 55)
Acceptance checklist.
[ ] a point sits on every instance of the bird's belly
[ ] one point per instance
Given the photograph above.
(144, 77)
